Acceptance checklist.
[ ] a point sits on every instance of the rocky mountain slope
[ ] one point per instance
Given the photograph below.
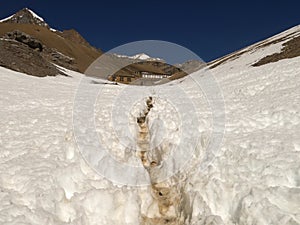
(67, 48)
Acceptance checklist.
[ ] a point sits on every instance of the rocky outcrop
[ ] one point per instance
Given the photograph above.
(50, 55)
(25, 39)
(22, 58)
(60, 59)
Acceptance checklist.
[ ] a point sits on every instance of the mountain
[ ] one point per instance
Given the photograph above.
(140, 56)
(234, 126)
(143, 56)
(26, 16)
(64, 48)
(25, 32)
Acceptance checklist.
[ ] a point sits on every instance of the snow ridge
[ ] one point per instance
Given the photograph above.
(5, 19)
(35, 15)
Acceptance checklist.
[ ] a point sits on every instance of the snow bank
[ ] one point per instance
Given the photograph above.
(253, 179)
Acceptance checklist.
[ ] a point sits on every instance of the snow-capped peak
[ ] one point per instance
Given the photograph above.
(35, 15)
(24, 10)
(26, 16)
(143, 56)
(140, 56)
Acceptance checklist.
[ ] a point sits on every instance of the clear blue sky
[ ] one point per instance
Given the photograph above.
(209, 28)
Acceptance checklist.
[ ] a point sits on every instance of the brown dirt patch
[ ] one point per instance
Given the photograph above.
(290, 49)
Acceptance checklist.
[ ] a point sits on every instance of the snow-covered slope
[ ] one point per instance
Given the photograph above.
(253, 177)
(262, 49)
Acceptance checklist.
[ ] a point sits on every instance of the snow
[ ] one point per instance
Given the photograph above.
(253, 178)
(35, 15)
(271, 48)
(140, 56)
(5, 19)
(52, 29)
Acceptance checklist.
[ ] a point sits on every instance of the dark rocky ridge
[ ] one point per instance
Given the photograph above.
(26, 39)
(20, 57)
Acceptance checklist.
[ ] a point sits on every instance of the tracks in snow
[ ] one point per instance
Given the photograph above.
(167, 198)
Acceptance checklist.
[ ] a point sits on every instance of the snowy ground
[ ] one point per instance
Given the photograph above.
(253, 179)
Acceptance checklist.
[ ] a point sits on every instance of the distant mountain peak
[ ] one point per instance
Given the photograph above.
(140, 56)
(26, 16)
